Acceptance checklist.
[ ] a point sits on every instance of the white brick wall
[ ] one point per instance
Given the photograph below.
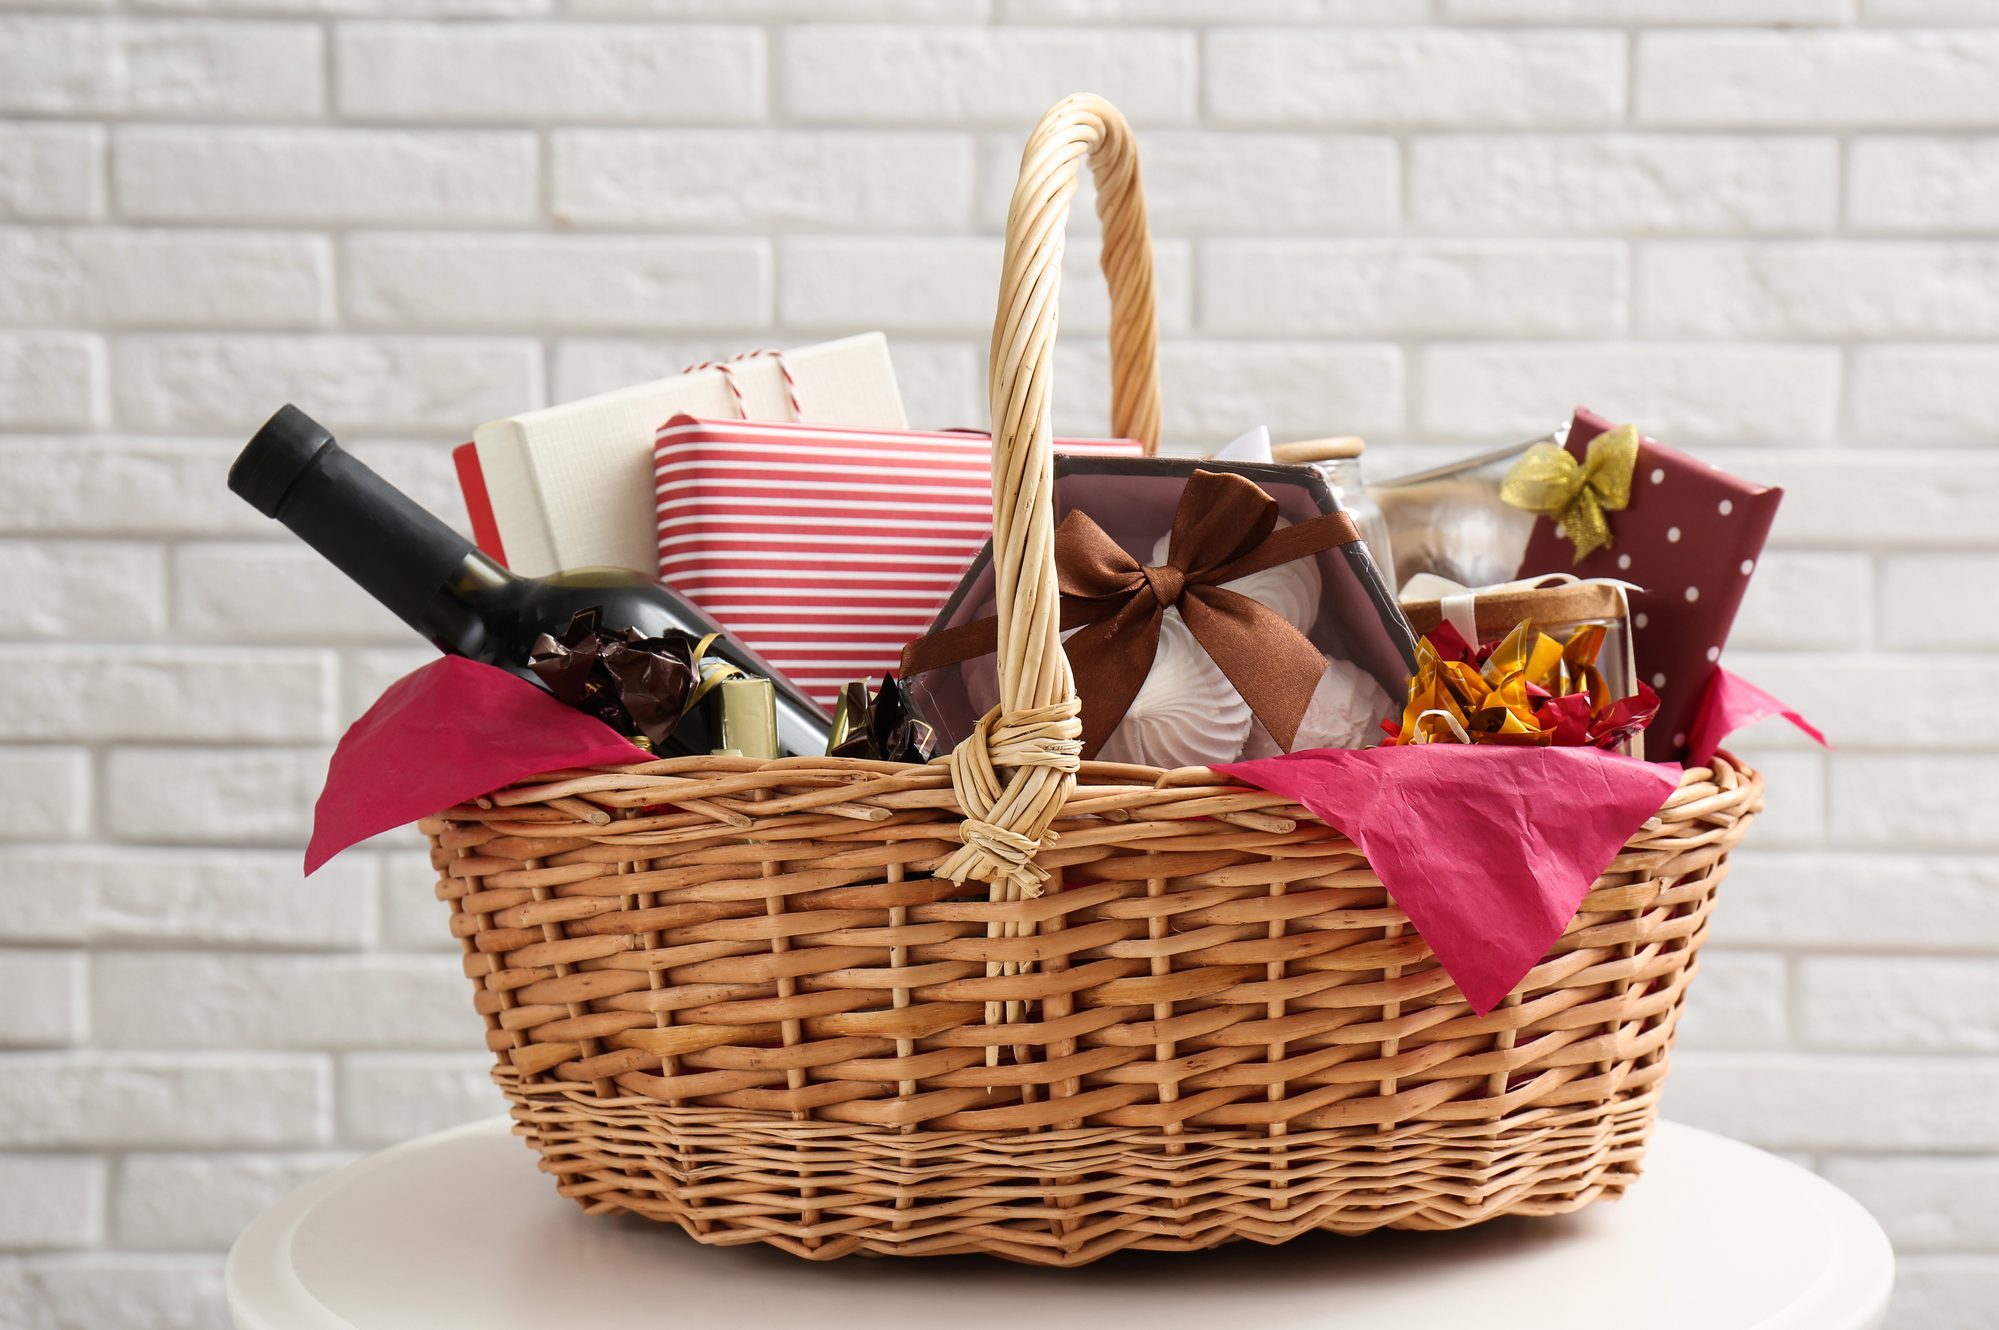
(1767, 228)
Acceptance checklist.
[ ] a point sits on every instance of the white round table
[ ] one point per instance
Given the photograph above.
(460, 1230)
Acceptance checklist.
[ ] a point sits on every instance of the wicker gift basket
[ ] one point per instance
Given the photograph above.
(1015, 1004)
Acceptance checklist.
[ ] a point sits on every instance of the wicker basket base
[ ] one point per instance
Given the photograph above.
(826, 1190)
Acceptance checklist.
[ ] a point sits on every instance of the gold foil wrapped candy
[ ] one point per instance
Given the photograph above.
(1527, 689)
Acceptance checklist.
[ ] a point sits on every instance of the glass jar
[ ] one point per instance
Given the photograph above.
(1338, 461)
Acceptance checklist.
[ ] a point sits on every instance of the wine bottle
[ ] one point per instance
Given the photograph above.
(440, 584)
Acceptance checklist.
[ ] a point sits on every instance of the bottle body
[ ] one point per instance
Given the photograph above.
(448, 590)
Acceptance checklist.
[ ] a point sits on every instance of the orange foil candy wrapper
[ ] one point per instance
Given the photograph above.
(1528, 690)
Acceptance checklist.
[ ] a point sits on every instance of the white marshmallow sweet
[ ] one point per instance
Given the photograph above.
(1186, 712)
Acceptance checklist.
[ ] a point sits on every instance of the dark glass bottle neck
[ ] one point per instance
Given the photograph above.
(431, 577)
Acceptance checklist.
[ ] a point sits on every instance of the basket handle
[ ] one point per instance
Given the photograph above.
(1015, 771)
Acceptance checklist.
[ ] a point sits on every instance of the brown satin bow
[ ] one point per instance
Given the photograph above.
(1225, 528)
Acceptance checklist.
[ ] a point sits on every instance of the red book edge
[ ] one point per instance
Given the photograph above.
(478, 504)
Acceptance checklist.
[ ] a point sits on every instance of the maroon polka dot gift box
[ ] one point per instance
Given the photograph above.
(1690, 536)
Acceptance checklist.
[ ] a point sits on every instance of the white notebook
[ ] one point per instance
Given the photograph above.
(571, 486)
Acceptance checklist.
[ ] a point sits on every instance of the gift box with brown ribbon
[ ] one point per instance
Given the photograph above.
(1211, 611)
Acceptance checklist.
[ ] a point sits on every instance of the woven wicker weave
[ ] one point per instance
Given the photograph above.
(1017, 1004)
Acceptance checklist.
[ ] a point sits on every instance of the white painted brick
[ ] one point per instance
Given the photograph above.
(943, 384)
(173, 487)
(1701, 13)
(44, 793)
(1441, 287)
(1941, 600)
(856, 11)
(51, 173)
(42, 1000)
(1421, 77)
(182, 1202)
(1688, 393)
(359, 8)
(1925, 394)
(160, 67)
(1932, 800)
(952, 75)
(586, 366)
(184, 382)
(1199, 183)
(1810, 601)
(148, 896)
(1818, 289)
(109, 487)
(1801, 1101)
(413, 919)
(572, 282)
(1945, 1293)
(1212, 391)
(183, 795)
(1895, 899)
(1928, 11)
(110, 1291)
(389, 1097)
(735, 179)
(164, 693)
(1623, 184)
(1215, 11)
(324, 176)
(52, 1201)
(1899, 1004)
(1924, 184)
(1934, 1204)
(83, 590)
(167, 1101)
(50, 380)
(1923, 501)
(548, 72)
(1816, 80)
(228, 1000)
(1215, 390)
(1738, 1000)
(263, 593)
(1824, 687)
(1794, 796)
(189, 278)
(947, 284)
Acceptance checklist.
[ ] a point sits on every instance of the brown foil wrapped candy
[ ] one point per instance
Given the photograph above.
(637, 685)
(880, 725)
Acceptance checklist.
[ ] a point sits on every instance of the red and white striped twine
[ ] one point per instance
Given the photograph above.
(727, 368)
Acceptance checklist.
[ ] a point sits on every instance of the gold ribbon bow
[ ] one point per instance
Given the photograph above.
(1549, 480)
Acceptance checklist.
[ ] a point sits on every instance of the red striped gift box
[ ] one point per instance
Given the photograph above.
(824, 549)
